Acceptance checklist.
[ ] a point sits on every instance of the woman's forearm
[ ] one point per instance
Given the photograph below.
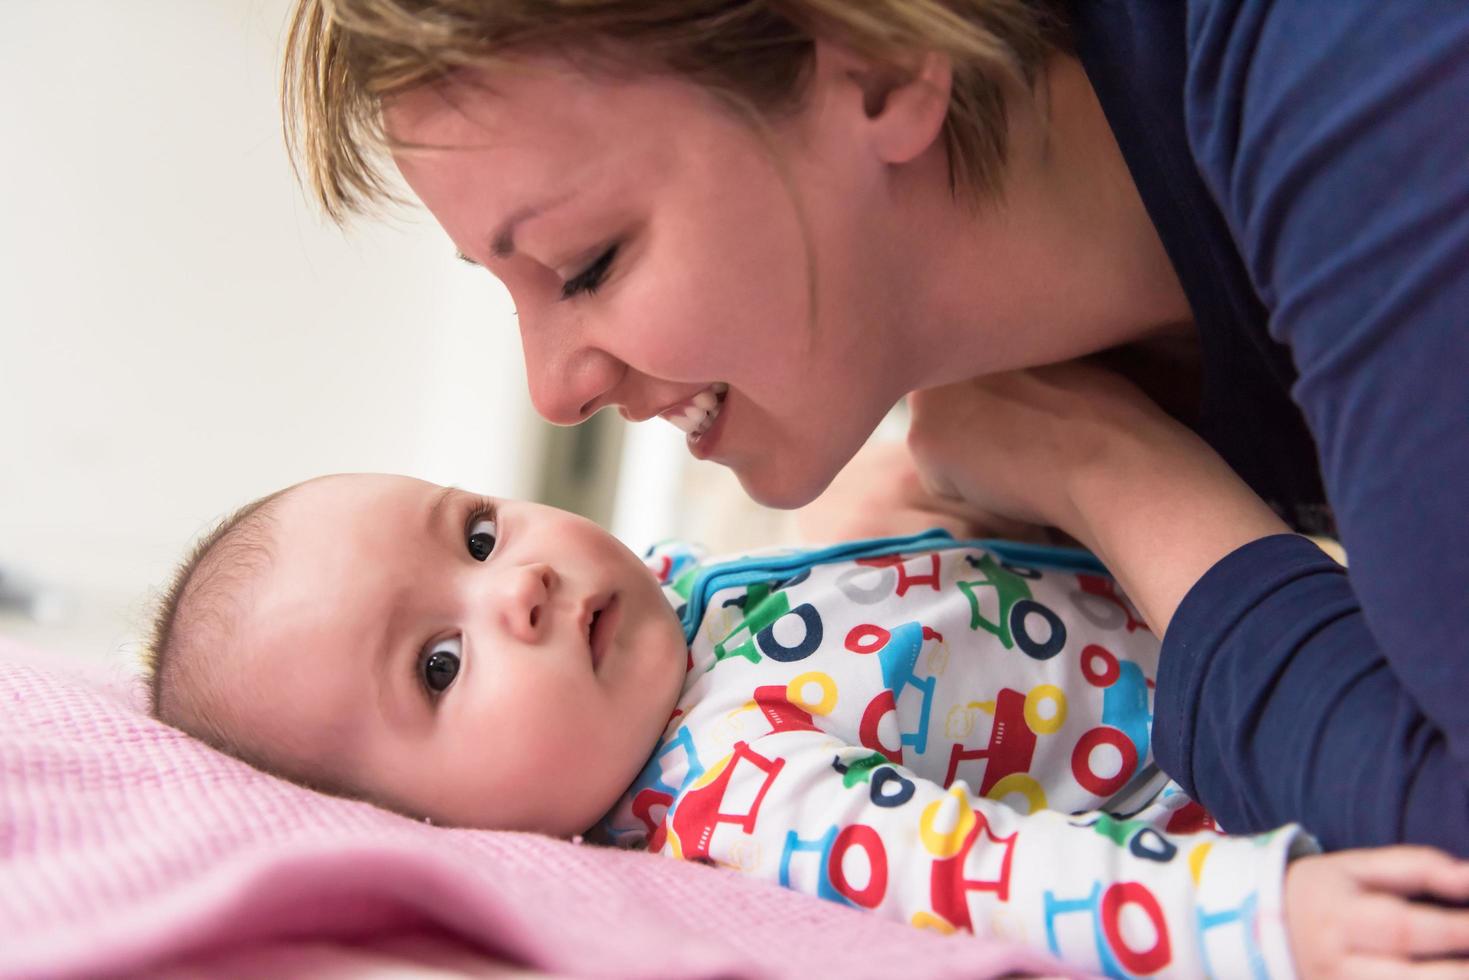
(1160, 519)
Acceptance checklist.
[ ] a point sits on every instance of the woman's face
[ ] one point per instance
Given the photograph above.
(667, 258)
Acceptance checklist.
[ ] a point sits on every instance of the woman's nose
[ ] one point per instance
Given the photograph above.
(568, 381)
(524, 600)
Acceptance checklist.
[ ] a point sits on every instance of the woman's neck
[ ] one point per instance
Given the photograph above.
(1066, 263)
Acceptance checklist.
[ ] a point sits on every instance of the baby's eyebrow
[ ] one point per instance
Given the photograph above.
(387, 663)
(436, 509)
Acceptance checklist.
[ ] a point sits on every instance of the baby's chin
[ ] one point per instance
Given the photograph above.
(566, 825)
(558, 798)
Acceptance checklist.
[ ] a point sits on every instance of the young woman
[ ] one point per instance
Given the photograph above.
(767, 221)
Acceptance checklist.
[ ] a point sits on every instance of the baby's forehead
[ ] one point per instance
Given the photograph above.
(294, 672)
(381, 495)
(367, 515)
(295, 719)
(345, 549)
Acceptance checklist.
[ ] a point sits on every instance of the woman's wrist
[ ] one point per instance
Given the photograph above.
(1160, 514)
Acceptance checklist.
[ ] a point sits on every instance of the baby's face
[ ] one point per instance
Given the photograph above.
(485, 663)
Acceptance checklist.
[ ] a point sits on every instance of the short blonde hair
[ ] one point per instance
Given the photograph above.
(343, 57)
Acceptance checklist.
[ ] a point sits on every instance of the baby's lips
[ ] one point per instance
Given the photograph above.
(602, 628)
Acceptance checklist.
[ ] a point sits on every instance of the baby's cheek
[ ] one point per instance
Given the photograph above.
(531, 719)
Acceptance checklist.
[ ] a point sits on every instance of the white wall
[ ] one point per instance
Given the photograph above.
(180, 333)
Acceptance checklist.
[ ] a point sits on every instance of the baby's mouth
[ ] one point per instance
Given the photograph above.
(600, 628)
(696, 415)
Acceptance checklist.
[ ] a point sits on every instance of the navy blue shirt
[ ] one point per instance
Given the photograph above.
(1307, 167)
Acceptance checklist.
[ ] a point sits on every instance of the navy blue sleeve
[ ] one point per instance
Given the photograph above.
(1277, 705)
(1335, 137)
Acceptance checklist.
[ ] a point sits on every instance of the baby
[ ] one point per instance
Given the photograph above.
(950, 734)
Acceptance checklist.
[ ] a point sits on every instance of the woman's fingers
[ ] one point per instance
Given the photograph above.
(1411, 871)
(1387, 925)
(1388, 968)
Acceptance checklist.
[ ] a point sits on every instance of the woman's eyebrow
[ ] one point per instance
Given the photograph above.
(502, 246)
(502, 242)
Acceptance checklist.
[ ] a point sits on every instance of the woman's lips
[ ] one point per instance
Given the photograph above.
(698, 414)
(701, 445)
(603, 629)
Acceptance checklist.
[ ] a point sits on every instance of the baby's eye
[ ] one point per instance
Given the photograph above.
(440, 665)
(481, 539)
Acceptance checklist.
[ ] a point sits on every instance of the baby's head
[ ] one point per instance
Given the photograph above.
(483, 663)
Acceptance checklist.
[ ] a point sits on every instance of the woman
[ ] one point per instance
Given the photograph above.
(766, 222)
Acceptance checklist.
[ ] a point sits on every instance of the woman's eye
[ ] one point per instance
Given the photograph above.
(481, 538)
(440, 665)
(591, 277)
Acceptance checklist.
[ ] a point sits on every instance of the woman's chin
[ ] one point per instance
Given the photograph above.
(784, 488)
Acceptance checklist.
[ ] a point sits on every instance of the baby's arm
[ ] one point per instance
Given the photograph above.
(1122, 896)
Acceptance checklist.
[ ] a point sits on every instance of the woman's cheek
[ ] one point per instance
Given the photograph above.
(668, 334)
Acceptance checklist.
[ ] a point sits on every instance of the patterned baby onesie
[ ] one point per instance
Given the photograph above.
(955, 735)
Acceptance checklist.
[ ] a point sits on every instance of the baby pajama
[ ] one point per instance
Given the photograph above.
(957, 736)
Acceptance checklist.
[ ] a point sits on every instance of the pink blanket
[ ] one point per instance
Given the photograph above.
(126, 846)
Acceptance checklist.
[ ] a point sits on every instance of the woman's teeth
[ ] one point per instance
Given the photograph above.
(701, 411)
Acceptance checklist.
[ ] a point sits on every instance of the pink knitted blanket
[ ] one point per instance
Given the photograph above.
(126, 846)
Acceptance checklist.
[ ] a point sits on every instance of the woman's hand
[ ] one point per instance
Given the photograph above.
(879, 494)
(1079, 448)
(1363, 914)
(1017, 443)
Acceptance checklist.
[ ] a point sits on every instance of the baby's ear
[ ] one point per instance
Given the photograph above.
(903, 106)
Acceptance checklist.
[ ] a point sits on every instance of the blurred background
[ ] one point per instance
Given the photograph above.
(180, 332)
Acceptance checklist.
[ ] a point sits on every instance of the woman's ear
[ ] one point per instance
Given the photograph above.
(903, 108)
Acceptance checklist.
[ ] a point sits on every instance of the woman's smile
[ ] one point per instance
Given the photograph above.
(696, 416)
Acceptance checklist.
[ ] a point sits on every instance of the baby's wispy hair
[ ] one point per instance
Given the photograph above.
(196, 616)
(194, 644)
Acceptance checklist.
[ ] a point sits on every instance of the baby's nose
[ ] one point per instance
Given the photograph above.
(526, 601)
